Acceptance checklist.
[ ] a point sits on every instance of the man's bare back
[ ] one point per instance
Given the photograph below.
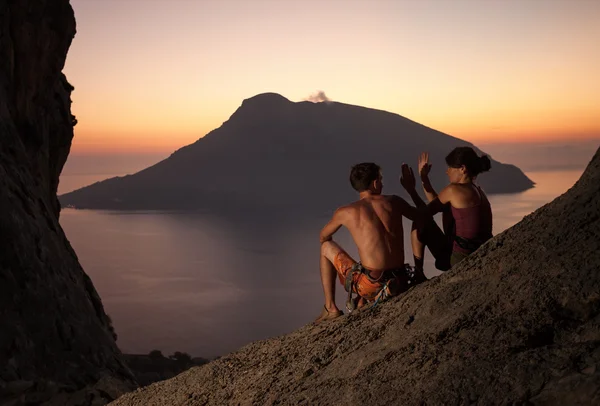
(375, 223)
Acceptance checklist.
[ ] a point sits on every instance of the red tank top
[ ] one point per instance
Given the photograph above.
(473, 223)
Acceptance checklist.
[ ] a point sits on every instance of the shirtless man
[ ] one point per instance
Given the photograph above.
(375, 223)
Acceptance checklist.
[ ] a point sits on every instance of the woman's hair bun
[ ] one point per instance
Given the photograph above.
(485, 163)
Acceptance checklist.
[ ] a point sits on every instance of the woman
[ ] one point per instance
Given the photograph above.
(467, 214)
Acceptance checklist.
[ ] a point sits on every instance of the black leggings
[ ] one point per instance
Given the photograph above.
(440, 243)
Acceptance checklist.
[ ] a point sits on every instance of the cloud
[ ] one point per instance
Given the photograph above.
(318, 97)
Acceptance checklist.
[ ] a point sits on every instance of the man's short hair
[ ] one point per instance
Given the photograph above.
(363, 174)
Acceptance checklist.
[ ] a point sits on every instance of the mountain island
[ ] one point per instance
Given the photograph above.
(274, 153)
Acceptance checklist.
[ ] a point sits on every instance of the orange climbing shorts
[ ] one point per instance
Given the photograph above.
(363, 285)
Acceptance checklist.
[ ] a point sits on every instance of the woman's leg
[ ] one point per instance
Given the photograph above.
(431, 236)
(418, 246)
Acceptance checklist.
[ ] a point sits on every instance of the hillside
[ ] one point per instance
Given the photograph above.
(518, 322)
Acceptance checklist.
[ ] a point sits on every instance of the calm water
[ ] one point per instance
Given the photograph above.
(207, 285)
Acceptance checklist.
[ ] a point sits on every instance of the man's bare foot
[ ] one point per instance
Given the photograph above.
(327, 315)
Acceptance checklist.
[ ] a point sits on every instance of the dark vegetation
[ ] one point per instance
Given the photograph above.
(154, 367)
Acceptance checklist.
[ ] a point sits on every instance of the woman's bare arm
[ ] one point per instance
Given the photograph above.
(430, 193)
(440, 201)
(424, 168)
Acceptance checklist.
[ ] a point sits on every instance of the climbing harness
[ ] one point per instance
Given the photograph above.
(405, 274)
(470, 244)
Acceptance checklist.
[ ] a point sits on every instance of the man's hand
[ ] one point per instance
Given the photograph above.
(424, 165)
(407, 179)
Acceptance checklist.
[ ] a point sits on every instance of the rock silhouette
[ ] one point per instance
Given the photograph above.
(274, 153)
(517, 322)
(56, 342)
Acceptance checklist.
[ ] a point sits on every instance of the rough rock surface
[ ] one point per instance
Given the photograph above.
(518, 322)
(56, 342)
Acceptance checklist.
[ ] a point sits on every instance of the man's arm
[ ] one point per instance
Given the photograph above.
(332, 226)
(407, 180)
(412, 213)
(416, 198)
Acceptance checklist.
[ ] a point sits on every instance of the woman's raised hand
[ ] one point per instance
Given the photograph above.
(424, 165)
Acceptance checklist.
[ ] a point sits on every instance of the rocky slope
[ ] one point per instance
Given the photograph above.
(518, 322)
(290, 151)
(56, 342)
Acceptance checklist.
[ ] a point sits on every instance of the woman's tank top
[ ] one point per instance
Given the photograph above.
(473, 225)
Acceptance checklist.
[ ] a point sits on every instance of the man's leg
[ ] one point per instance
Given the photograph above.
(334, 262)
(329, 250)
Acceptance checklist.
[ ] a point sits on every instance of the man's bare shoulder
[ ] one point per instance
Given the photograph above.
(391, 202)
(352, 209)
(347, 209)
(399, 204)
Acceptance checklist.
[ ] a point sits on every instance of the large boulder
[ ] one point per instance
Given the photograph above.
(517, 322)
(56, 342)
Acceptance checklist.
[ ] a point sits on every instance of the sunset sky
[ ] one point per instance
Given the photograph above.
(153, 76)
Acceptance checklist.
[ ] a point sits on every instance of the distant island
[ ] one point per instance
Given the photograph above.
(274, 153)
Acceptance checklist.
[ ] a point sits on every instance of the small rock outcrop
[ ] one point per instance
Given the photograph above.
(56, 342)
(518, 322)
(272, 145)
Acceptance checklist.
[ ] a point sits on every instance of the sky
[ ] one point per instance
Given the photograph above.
(151, 76)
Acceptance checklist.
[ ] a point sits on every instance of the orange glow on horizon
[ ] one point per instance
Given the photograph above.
(158, 76)
(145, 134)
(118, 142)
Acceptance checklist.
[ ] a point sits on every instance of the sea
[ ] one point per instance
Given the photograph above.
(207, 284)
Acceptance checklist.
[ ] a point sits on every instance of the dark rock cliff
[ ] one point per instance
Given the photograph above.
(55, 339)
(518, 322)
